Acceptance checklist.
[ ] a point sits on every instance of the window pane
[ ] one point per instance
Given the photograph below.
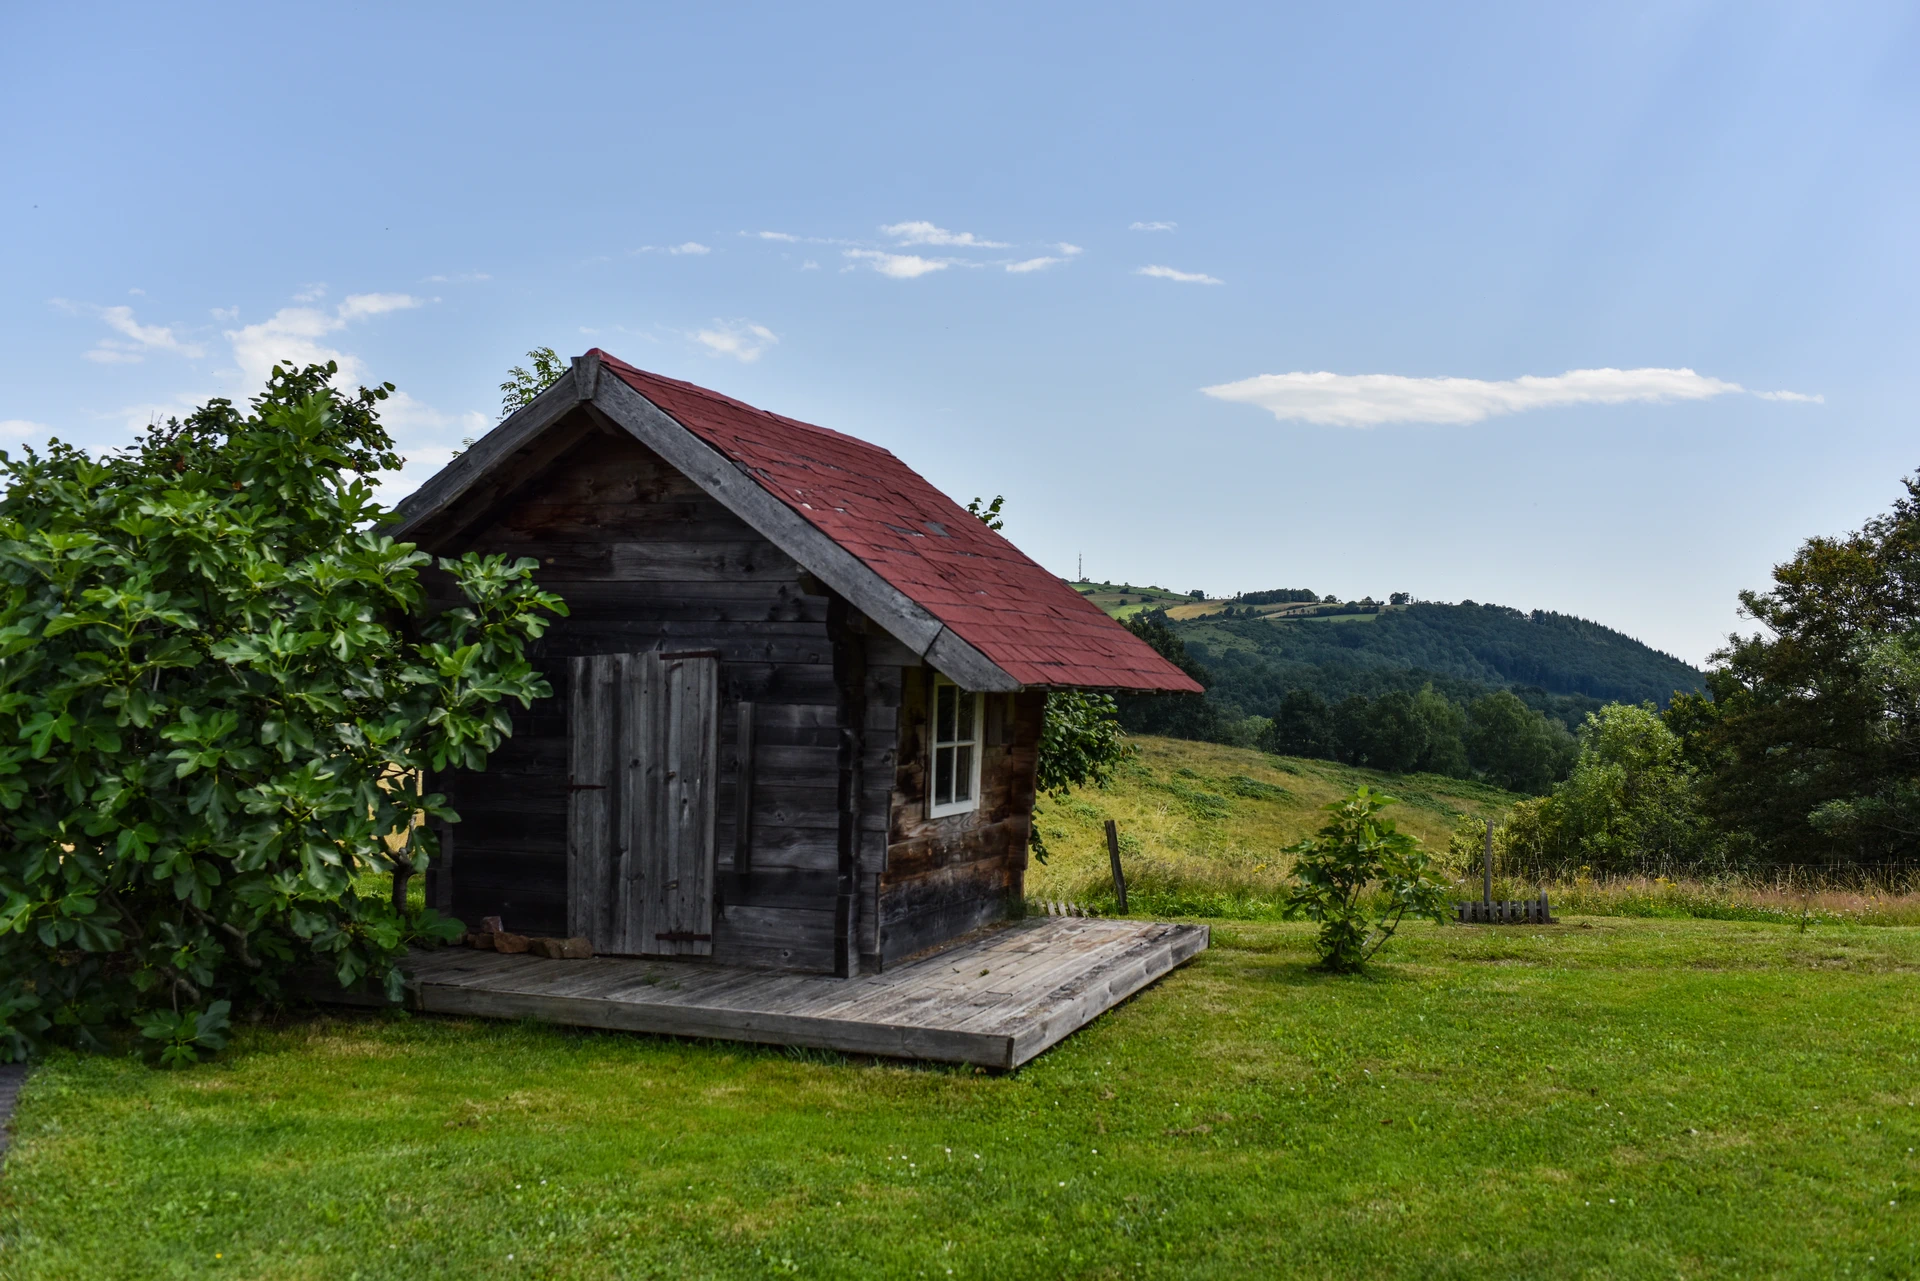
(943, 776)
(944, 697)
(963, 773)
(964, 732)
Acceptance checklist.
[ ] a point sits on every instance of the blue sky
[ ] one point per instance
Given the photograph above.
(1018, 245)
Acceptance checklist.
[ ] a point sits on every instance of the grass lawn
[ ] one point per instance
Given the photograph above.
(1611, 1097)
(1203, 827)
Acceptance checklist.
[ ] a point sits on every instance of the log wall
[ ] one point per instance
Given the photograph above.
(945, 876)
(842, 870)
(644, 559)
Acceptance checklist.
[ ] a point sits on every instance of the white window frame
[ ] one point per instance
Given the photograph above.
(936, 745)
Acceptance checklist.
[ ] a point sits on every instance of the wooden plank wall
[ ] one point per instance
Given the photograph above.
(946, 876)
(645, 559)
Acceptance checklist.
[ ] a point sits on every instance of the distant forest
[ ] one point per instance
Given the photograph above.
(1558, 664)
(1406, 687)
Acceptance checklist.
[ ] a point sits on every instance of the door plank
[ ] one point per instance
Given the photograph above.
(591, 800)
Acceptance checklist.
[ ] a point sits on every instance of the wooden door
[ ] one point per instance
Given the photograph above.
(645, 766)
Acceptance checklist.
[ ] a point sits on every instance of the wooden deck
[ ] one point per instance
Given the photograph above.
(995, 1000)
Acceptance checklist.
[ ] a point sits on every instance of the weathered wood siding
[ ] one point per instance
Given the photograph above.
(645, 560)
(944, 876)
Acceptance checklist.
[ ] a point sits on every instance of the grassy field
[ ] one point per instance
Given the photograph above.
(1123, 599)
(1617, 1098)
(1203, 829)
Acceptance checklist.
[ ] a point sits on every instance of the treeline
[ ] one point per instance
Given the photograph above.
(1493, 734)
(1804, 749)
(1256, 660)
(1277, 596)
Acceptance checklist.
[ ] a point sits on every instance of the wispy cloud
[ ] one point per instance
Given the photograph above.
(1152, 226)
(136, 342)
(692, 247)
(899, 266)
(18, 428)
(925, 233)
(1033, 264)
(741, 339)
(1069, 250)
(1184, 277)
(785, 238)
(1791, 395)
(459, 278)
(1372, 400)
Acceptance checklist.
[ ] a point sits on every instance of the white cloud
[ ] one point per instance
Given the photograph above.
(138, 293)
(899, 266)
(1070, 250)
(312, 293)
(1185, 277)
(226, 313)
(139, 339)
(360, 306)
(459, 278)
(1152, 226)
(741, 339)
(21, 427)
(1370, 400)
(809, 265)
(1791, 395)
(781, 236)
(690, 247)
(1033, 264)
(294, 334)
(925, 233)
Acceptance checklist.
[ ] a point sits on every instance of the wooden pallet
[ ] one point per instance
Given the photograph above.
(1510, 912)
(995, 1000)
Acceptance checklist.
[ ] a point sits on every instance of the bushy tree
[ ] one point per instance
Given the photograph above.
(1810, 745)
(1515, 747)
(216, 681)
(1632, 802)
(1356, 858)
(1302, 726)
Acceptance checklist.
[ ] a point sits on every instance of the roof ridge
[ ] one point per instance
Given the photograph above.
(710, 394)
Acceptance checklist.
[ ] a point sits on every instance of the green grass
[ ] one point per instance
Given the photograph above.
(1203, 827)
(1614, 1098)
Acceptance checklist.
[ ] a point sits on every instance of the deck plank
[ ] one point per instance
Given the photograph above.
(1044, 979)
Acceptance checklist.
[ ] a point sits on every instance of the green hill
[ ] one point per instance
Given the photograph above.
(1259, 645)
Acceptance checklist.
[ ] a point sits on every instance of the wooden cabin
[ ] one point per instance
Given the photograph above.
(797, 700)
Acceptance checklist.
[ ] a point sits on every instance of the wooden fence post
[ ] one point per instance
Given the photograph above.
(1113, 856)
(1487, 894)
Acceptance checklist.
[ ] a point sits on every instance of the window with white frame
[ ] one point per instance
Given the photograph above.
(956, 749)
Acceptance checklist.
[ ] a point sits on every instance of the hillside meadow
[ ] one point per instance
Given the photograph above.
(1204, 829)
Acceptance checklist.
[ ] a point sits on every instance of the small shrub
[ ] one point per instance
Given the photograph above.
(1333, 869)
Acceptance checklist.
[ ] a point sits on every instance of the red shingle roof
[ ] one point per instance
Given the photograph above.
(1038, 629)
